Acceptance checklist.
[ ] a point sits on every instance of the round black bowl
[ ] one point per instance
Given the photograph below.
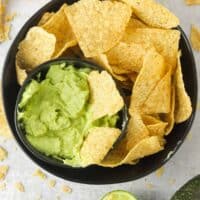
(42, 70)
(95, 174)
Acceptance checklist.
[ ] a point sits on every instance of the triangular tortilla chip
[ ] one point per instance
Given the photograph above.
(60, 27)
(45, 17)
(145, 147)
(21, 74)
(98, 25)
(153, 70)
(97, 144)
(153, 13)
(37, 47)
(105, 97)
(159, 101)
(183, 107)
(166, 42)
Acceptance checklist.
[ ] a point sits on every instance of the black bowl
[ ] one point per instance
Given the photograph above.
(42, 70)
(95, 174)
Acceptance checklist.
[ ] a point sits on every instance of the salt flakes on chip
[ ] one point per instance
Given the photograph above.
(183, 108)
(59, 26)
(37, 47)
(153, 13)
(98, 25)
(103, 89)
(97, 144)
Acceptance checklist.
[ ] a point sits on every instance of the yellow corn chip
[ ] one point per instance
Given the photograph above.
(159, 101)
(98, 25)
(153, 13)
(149, 120)
(97, 144)
(21, 74)
(127, 56)
(103, 89)
(102, 60)
(59, 26)
(166, 42)
(45, 17)
(153, 70)
(157, 129)
(36, 48)
(145, 147)
(170, 117)
(195, 37)
(192, 2)
(183, 108)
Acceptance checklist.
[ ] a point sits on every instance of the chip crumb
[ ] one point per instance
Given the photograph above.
(189, 136)
(160, 172)
(172, 181)
(10, 17)
(3, 171)
(66, 189)
(195, 37)
(2, 186)
(149, 186)
(19, 186)
(40, 174)
(52, 183)
(3, 154)
(192, 2)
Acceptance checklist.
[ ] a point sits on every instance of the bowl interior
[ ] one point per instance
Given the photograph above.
(42, 70)
(95, 174)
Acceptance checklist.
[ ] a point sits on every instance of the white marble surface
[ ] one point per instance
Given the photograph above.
(184, 165)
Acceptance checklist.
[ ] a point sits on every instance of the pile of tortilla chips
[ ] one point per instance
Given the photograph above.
(135, 42)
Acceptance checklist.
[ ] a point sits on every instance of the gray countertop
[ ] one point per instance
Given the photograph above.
(184, 165)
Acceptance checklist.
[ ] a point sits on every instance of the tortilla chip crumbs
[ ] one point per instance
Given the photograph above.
(192, 2)
(19, 186)
(40, 174)
(3, 171)
(2, 186)
(66, 189)
(195, 37)
(3, 154)
(160, 172)
(52, 183)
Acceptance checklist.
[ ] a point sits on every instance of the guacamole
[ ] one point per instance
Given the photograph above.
(55, 113)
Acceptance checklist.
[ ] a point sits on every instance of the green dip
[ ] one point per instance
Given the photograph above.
(55, 113)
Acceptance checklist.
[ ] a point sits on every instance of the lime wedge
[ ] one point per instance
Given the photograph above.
(119, 195)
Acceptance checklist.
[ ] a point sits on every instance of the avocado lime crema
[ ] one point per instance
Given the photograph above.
(55, 113)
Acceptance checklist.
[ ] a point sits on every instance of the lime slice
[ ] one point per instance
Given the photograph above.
(119, 195)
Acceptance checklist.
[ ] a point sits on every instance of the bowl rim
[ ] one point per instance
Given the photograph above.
(76, 62)
(31, 22)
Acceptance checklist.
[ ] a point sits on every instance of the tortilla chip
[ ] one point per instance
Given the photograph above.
(145, 147)
(102, 60)
(149, 120)
(45, 17)
(157, 129)
(98, 26)
(2, 10)
(170, 117)
(36, 48)
(183, 107)
(21, 74)
(4, 128)
(192, 2)
(153, 13)
(195, 37)
(97, 144)
(59, 26)
(133, 24)
(153, 70)
(166, 42)
(127, 56)
(159, 101)
(105, 97)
